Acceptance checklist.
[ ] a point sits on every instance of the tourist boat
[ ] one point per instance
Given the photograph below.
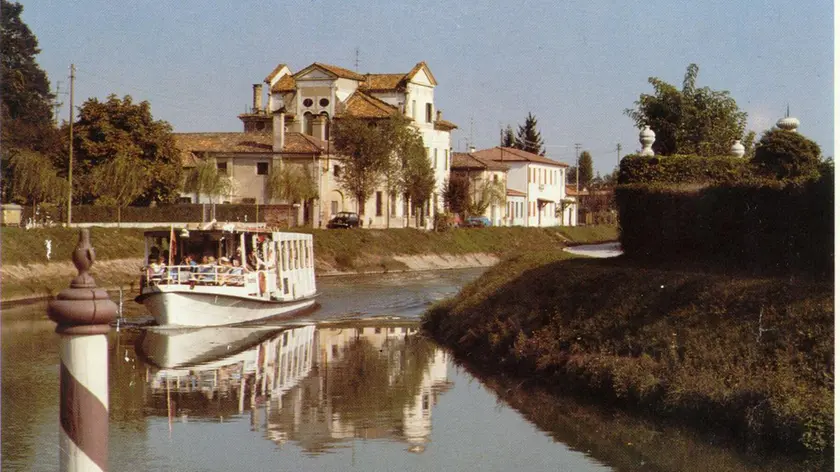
(237, 274)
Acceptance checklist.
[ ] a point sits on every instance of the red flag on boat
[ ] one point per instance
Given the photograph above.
(173, 248)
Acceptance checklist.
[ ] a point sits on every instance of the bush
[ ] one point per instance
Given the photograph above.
(682, 169)
(786, 155)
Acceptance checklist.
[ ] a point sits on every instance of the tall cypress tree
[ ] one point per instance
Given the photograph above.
(528, 137)
(508, 138)
(585, 163)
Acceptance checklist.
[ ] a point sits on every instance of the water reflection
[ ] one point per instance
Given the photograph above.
(316, 387)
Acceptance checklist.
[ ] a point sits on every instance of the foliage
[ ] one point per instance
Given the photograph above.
(786, 155)
(528, 138)
(118, 127)
(691, 121)
(368, 151)
(414, 173)
(456, 193)
(25, 96)
(483, 193)
(779, 228)
(682, 169)
(118, 182)
(508, 138)
(205, 179)
(292, 183)
(419, 179)
(585, 163)
(752, 355)
(35, 180)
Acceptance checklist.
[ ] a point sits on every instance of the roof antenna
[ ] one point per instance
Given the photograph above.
(357, 58)
(787, 113)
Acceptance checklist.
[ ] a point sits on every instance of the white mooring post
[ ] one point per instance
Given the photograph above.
(83, 313)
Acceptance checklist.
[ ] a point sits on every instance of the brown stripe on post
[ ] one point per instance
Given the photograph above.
(84, 418)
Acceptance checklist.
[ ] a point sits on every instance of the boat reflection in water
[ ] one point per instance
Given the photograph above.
(316, 386)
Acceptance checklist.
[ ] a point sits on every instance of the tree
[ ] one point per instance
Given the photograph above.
(787, 155)
(118, 127)
(368, 150)
(484, 193)
(508, 138)
(418, 177)
(118, 182)
(456, 193)
(585, 164)
(293, 183)
(205, 179)
(24, 91)
(406, 158)
(35, 180)
(695, 120)
(528, 138)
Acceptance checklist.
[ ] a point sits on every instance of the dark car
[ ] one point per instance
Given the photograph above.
(477, 222)
(344, 219)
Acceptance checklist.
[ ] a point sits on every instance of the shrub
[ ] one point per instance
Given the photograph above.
(682, 169)
(786, 155)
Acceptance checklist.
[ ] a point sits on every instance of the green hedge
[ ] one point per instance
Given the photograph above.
(748, 225)
(158, 214)
(683, 169)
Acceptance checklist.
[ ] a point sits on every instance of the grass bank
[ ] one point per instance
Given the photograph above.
(748, 355)
(27, 272)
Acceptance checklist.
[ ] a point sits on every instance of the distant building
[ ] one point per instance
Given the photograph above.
(479, 172)
(535, 182)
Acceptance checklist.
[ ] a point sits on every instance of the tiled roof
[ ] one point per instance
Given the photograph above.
(464, 160)
(506, 154)
(443, 125)
(274, 72)
(285, 84)
(382, 82)
(362, 105)
(572, 192)
(339, 71)
(515, 193)
(416, 68)
(243, 143)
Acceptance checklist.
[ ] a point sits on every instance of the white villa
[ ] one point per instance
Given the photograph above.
(294, 128)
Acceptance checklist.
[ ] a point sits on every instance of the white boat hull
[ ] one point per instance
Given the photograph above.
(177, 309)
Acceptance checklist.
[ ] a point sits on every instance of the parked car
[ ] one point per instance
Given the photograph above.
(477, 222)
(344, 219)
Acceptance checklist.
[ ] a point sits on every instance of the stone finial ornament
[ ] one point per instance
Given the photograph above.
(788, 123)
(737, 149)
(647, 137)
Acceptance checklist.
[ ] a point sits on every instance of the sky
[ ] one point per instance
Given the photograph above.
(576, 65)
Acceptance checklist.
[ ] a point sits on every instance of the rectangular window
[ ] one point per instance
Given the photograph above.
(414, 109)
(333, 207)
(336, 171)
(435, 161)
(446, 159)
(428, 113)
(262, 168)
(393, 204)
(221, 167)
(379, 203)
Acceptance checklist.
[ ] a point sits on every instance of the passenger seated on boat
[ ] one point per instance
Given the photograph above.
(235, 276)
(157, 269)
(207, 270)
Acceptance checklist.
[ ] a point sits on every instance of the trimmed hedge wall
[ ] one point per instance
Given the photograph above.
(776, 228)
(161, 214)
(683, 169)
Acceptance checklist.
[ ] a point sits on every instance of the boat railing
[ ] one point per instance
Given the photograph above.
(194, 275)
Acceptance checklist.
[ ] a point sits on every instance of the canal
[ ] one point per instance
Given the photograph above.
(353, 386)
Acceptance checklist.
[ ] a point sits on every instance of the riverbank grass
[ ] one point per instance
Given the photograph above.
(730, 352)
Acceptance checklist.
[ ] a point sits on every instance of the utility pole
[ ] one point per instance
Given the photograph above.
(577, 167)
(618, 154)
(70, 170)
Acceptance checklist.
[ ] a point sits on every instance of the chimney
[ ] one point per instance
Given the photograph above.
(319, 127)
(438, 115)
(278, 130)
(257, 105)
